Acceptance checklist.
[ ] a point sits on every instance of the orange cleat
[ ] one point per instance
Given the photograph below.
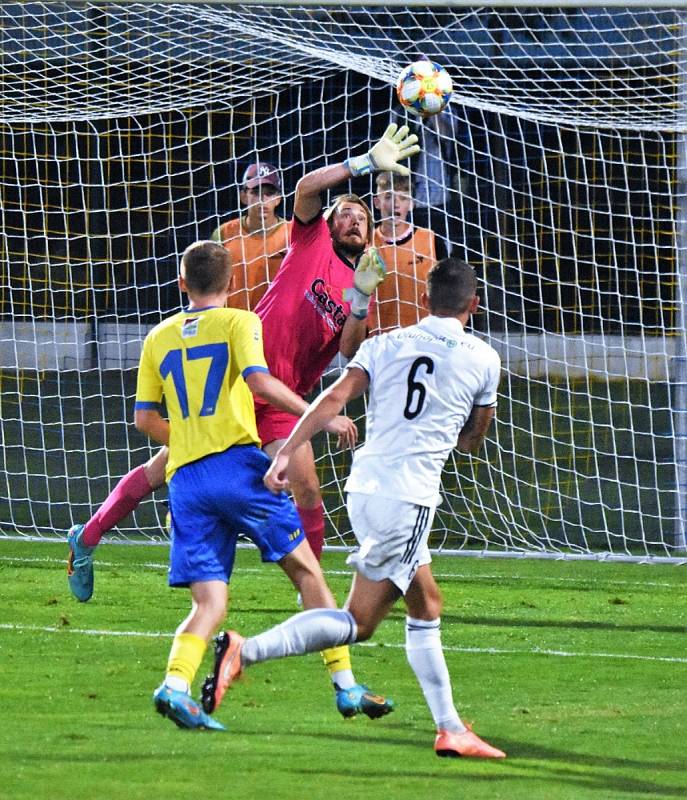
(226, 670)
(467, 744)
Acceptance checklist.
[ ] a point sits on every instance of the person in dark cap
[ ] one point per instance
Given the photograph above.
(258, 238)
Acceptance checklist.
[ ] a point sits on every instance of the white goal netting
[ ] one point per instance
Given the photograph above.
(558, 171)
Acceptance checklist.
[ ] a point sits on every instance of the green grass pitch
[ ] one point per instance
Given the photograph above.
(578, 670)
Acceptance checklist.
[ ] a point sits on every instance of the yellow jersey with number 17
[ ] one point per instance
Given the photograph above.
(197, 361)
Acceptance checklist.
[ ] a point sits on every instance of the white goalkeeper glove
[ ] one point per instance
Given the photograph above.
(369, 273)
(394, 145)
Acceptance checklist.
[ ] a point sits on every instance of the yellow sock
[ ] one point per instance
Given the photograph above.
(337, 659)
(185, 656)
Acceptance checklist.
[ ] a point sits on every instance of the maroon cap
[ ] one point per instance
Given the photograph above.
(260, 173)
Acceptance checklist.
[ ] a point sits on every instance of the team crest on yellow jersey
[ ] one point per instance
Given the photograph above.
(190, 327)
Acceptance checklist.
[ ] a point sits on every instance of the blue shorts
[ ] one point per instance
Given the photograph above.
(217, 498)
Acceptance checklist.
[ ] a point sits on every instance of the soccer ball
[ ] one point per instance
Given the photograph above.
(424, 88)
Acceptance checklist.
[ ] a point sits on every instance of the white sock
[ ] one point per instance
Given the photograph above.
(343, 679)
(177, 683)
(426, 657)
(307, 632)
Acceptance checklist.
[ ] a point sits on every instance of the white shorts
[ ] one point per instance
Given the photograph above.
(392, 537)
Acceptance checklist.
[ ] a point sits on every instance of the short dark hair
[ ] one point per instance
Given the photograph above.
(206, 267)
(451, 285)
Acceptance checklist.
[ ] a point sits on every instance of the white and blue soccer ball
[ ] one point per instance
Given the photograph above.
(424, 88)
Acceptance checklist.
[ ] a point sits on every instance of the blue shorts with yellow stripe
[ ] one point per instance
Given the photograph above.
(216, 499)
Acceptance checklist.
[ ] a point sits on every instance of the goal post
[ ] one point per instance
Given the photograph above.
(558, 171)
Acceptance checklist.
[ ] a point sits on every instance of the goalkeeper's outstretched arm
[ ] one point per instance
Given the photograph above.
(395, 146)
(307, 203)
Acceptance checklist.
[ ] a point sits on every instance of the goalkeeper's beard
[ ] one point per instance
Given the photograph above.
(349, 250)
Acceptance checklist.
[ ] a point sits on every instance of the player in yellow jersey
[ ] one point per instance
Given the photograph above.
(206, 362)
(408, 252)
(257, 239)
(257, 242)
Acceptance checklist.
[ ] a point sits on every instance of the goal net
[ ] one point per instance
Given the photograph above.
(557, 171)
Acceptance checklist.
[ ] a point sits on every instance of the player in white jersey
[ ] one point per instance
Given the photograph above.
(431, 386)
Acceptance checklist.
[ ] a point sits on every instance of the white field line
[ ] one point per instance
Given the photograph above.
(496, 651)
(438, 575)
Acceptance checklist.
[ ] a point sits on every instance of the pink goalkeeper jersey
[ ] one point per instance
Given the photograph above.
(303, 312)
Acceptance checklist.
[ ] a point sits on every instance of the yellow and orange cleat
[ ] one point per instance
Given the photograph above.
(466, 744)
(226, 670)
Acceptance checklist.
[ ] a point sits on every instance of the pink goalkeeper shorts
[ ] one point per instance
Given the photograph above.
(273, 423)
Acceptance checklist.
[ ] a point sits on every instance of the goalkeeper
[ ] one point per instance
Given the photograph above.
(312, 294)
(317, 305)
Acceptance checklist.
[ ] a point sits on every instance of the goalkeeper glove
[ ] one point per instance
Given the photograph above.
(369, 273)
(394, 145)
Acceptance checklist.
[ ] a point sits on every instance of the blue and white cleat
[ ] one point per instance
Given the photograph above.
(79, 565)
(183, 710)
(359, 699)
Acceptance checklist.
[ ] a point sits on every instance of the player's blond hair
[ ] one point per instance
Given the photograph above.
(388, 181)
(206, 267)
(350, 198)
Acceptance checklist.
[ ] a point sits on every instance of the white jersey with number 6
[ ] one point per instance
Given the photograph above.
(424, 381)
